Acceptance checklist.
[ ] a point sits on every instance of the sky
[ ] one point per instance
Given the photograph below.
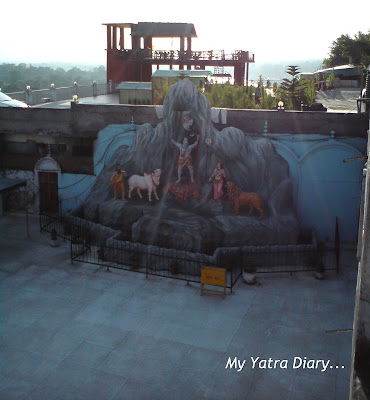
(275, 31)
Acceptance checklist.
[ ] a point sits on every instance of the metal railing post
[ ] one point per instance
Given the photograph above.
(231, 277)
(337, 244)
(71, 251)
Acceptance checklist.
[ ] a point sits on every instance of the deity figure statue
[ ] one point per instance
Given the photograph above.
(218, 177)
(117, 181)
(187, 122)
(185, 159)
(189, 127)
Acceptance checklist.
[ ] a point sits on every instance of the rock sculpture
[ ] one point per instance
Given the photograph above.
(187, 217)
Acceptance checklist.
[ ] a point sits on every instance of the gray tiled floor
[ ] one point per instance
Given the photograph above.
(78, 332)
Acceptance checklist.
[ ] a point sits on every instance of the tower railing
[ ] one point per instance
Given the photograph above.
(187, 55)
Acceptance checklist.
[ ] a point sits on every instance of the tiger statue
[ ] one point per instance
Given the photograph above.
(239, 198)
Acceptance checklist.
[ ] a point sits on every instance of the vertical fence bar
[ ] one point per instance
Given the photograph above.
(231, 277)
(71, 248)
(146, 268)
(337, 244)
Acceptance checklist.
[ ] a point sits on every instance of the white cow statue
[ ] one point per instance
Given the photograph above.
(147, 182)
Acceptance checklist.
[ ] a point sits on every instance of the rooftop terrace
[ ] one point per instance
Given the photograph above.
(78, 332)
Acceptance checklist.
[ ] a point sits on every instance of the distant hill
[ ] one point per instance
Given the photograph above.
(64, 65)
(275, 71)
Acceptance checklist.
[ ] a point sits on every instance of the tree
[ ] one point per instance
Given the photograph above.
(234, 96)
(309, 92)
(15, 78)
(345, 50)
(292, 89)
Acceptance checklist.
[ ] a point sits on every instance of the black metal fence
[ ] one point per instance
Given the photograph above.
(107, 249)
(114, 253)
(54, 222)
(150, 260)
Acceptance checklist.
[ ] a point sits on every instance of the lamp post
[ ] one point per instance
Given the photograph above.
(52, 92)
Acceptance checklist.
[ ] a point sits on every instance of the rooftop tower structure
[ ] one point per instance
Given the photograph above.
(135, 63)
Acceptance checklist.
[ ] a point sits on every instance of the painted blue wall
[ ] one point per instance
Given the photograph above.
(324, 186)
(73, 188)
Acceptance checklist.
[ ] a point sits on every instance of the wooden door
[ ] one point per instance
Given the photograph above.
(48, 183)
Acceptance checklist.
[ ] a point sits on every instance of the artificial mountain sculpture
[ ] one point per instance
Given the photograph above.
(188, 149)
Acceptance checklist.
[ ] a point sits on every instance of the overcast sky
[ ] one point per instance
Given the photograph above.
(72, 31)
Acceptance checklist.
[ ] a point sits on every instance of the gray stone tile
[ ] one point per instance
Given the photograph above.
(133, 389)
(179, 386)
(58, 318)
(215, 339)
(10, 330)
(32, 338)
(292, 337)
(93, 314)
(68, 376)
(14, 389)
(275, 382)
(8, 266)
(203, 359)
(317, 385)
(183, 334)
(89, 355)
(109, 301)
(107, 336)
(164, 349)
(342, 388)
(59, 346)
(152, 371)
(10, 357)
(99, 386)
(78, 329)
(158, 338)
(137, 322)
(50, 392)
(22, 316)
(322, 343)
(32, 367)
(120, 362)
(228, 386)
(247, 346)
(137, 342)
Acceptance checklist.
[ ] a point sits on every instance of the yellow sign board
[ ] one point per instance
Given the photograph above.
(215, 277)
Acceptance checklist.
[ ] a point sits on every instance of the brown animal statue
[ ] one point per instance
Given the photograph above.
(182, 191)
(240, 198)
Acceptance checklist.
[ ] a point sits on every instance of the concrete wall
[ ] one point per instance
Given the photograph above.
(88, 120)
(35, 120)
(297, 122)
(360, 369)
